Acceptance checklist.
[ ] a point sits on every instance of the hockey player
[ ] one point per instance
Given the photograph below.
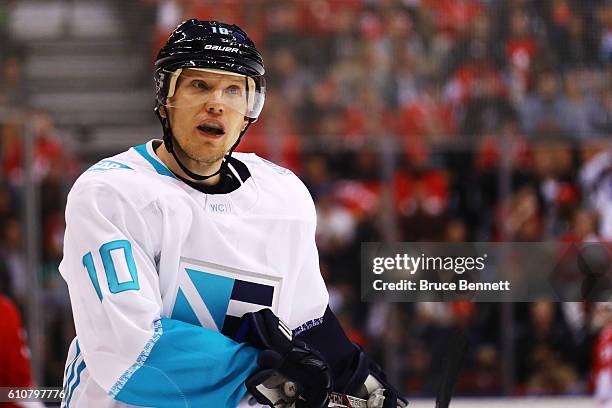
(180, 257)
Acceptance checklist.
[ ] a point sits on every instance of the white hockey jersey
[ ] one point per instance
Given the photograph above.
(158, 270)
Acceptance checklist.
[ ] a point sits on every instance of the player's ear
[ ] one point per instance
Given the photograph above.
(162, 111)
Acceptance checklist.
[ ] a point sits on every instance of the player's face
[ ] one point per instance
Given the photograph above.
(207, 114)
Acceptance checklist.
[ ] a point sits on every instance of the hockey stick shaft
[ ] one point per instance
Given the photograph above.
(455, 355)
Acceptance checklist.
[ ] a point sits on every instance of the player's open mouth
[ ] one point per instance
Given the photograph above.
(211, 129)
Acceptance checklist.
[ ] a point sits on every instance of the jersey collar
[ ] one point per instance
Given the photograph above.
(242, 198)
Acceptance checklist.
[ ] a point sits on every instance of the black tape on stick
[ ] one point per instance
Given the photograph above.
(455, 355)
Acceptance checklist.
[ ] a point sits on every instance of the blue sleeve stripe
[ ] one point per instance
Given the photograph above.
(159, 168)
(142, 357)
(78, 351)
(76, 383)
(67, 385)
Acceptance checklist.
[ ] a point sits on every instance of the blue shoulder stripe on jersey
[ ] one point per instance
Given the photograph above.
(188, 365)
(76, 383)
(107, 164)
(159, 168)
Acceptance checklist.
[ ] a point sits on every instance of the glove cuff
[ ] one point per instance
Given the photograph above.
(264, 330)
(355, 384)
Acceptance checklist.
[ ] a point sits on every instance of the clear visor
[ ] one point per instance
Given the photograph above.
(198, 87)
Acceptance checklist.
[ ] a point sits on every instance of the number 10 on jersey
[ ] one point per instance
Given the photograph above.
(110, 268)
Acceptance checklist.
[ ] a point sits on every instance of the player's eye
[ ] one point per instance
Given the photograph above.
(199, 84)
(234, 90)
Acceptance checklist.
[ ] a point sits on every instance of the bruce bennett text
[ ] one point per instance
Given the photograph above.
(423, 285)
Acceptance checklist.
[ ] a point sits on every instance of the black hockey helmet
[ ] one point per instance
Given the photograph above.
(208, 45)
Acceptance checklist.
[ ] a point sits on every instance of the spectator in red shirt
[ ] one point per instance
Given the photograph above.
(15, 368)
(427, 117)
(454, 17)
(47, 147)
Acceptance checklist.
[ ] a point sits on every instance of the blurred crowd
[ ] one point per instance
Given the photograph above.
(52, 169)
(408, 120)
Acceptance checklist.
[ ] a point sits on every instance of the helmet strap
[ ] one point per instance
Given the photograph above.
(169, 145)
(165, 122)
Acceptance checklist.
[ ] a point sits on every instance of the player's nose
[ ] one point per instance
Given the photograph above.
(214, 108)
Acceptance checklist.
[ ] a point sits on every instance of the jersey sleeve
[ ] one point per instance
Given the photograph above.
(130, 350)
(311, 296)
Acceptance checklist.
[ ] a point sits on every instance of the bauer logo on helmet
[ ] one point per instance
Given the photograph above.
(220, 48)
